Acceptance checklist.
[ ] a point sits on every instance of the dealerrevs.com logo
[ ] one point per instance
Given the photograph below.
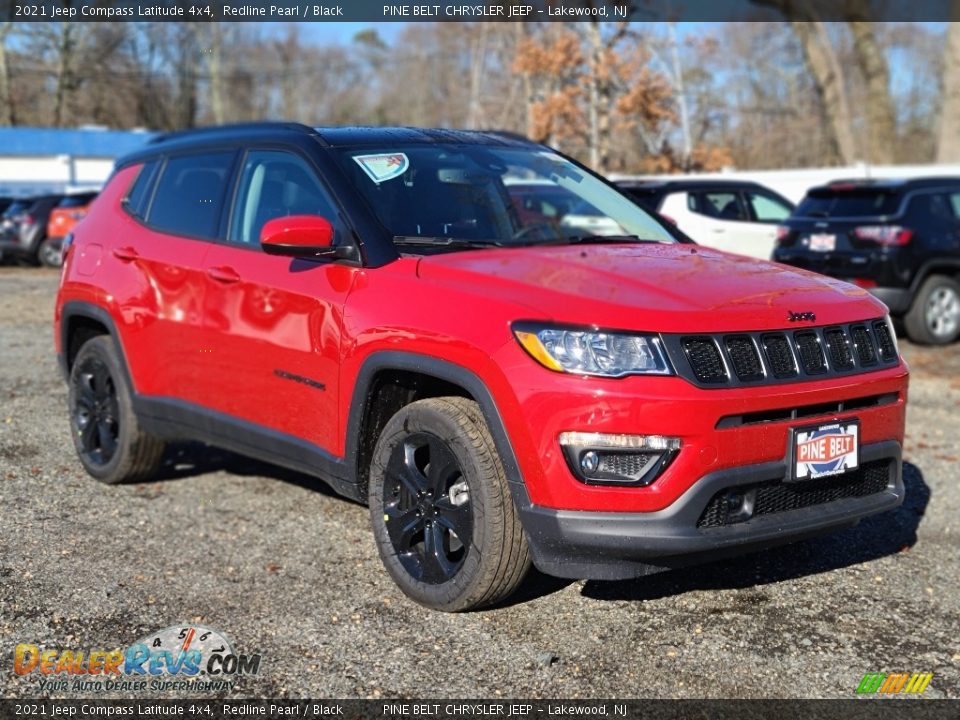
(180, 657)
(898, 683)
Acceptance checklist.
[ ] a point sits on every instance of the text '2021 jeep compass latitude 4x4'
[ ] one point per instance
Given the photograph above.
(367, 305)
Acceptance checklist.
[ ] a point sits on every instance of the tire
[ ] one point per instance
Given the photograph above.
(106, 433)
(934, 316)
(49, 253)
(443, 446)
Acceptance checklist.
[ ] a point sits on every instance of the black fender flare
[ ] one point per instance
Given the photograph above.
(931, 267)
(442, 370)
(82, 309)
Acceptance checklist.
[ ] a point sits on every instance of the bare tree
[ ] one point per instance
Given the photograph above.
(7, 113)
(881, 121)
(213, 53)
(822, 61)
(948, 132)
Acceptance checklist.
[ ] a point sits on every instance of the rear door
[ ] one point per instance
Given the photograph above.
(175, 208)
(274, 323)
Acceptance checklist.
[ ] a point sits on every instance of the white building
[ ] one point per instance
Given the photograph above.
(41, 160)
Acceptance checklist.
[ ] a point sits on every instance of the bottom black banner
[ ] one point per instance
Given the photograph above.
(865, 709)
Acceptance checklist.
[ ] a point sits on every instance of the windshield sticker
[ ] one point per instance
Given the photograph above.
(383, 166)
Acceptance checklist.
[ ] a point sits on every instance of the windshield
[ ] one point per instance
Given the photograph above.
(843, 204)
(72, 201)
(472, 194)
(16, 207)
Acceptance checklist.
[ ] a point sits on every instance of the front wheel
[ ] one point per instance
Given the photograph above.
(442, 514)
(934, 317)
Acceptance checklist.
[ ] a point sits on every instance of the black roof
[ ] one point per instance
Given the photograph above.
(886, 184)
(325, 136)
(351, 136)
(654, 186)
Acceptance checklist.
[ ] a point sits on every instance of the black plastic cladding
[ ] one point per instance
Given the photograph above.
(784, 356)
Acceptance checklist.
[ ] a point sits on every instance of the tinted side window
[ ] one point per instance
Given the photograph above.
(647, 200)
(719, 205)
(190, 193)
(858, 202)
(139, 193)
(955, 203)
(79, 200)
(932, 208)
(275, 184)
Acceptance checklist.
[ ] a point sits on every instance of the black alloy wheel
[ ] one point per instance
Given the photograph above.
(95, 412)
(106, 431)
(443, 516)
(426, 507)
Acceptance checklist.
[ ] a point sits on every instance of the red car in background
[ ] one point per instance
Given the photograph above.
(68, 212)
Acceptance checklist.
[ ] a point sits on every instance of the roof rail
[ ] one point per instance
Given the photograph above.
(211, 129)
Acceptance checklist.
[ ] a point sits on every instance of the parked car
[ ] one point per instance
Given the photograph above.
(544, 203)
(732, 215)
(5, 202)
(23, 233)
(900, 239)
(14, 210)
(366, 305)
(69, 211)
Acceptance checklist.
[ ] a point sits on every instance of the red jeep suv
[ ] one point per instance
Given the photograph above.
(367, 305)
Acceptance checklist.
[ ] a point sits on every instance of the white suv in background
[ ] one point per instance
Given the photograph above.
(731, 215)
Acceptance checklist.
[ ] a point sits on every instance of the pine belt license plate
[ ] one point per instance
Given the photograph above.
(824, 450)
(823, 242)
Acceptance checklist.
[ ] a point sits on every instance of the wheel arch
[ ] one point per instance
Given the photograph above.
(80, 321)
(370, 410)
(937, 266)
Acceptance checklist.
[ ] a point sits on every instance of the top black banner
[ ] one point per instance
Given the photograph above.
(476, 11)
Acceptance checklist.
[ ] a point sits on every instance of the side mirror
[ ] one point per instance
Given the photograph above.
(298, 236)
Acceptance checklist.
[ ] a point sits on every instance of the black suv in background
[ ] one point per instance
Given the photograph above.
(24, 227)
(900, 239)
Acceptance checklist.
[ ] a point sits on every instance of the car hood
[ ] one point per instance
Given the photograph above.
(647, 286)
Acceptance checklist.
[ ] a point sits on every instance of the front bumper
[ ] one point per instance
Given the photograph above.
(617, 545)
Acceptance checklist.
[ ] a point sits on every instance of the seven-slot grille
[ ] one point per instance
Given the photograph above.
(764, 358)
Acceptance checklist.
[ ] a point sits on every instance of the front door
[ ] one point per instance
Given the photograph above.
(274, 323)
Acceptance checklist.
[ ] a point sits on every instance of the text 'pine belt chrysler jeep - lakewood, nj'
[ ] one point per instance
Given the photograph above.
(501, 385)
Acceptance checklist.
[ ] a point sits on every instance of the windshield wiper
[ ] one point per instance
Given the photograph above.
(442, 242)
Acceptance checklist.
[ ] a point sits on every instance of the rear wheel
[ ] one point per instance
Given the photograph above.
(442, 514)
(107, 436)
(934, 317)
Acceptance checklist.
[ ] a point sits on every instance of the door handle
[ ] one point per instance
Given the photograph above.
(223, 274)
(719, 230)
(126, 254)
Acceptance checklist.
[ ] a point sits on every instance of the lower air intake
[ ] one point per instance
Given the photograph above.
(777, 496)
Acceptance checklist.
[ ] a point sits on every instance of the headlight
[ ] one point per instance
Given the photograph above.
(593, 352)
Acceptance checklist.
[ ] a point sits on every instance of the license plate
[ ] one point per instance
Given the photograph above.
(826, 450)
(823, 242)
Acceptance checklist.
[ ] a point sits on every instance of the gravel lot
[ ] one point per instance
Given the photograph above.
(286, 569)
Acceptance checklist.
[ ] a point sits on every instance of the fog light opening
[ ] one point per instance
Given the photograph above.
(589, 461)
(633, 460)
(739, 505)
